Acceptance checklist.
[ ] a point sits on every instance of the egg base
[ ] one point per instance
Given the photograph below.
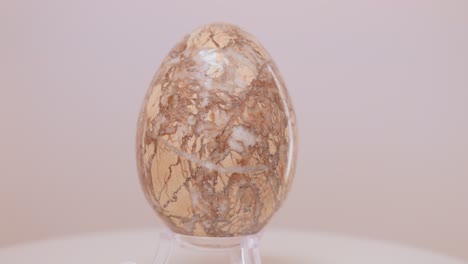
(232, 250)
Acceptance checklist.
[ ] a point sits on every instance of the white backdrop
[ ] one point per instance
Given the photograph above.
(380, 90)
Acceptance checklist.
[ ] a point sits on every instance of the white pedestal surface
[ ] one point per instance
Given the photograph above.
(277, 247)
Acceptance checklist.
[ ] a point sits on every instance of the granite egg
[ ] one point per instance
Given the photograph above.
(216, 135)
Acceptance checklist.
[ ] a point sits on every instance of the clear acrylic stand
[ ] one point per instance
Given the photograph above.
(236, 250)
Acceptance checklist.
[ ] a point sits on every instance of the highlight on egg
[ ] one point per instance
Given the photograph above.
(216, 137)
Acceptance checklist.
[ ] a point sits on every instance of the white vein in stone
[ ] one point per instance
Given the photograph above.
(210, 165)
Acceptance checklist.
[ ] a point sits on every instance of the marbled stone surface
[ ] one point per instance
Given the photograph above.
(216, 135)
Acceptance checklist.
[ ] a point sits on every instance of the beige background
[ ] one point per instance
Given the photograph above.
(380, 89)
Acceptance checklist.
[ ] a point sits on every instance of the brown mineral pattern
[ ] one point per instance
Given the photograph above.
(216, 135)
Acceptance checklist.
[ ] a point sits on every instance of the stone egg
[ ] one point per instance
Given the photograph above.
(216, 137)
